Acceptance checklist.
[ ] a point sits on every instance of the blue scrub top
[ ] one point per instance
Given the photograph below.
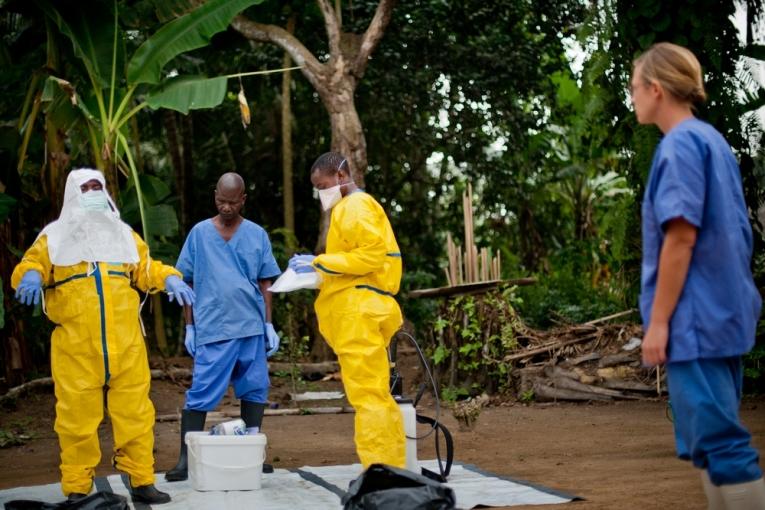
(694, 176)
(225, 279)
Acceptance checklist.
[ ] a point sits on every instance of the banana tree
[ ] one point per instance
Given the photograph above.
(118, 91)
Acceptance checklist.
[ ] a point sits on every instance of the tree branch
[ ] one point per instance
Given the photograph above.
(311, 68)
(373, 35)
(333, 27)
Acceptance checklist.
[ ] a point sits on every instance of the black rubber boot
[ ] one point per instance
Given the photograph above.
(76, 496)
(190, 421)
(252, 414)
(149, 494)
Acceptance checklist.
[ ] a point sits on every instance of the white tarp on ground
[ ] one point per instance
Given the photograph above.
(314, 488)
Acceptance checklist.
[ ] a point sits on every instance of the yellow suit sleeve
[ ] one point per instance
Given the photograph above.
(361, 226)
(150, 274)
(36, 258)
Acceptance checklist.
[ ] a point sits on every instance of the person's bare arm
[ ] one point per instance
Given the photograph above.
(674, 260)
(264, 286)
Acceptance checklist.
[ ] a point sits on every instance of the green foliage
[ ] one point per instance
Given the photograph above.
(567, 294)
(471, 336)
(92, 36)
(527, 395)
(188, 32)
(16, 432)
(185, 93)
(451, 394)
(754, 366)
(419, 311)
(9, 438)
(7, 203)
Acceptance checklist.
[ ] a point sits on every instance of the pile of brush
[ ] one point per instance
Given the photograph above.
(591, 361)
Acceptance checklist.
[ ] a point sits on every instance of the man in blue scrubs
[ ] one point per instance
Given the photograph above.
(228, 261)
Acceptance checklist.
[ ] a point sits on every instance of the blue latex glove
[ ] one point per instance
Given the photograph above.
(191, 339)
(272, 340)
(30, 288)
(178, 290)
(302, 263)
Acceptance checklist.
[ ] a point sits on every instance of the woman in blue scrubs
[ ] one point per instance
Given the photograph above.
(698, 298)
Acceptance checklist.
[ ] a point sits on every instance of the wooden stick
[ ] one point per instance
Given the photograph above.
(469, 234)
(476, 276)
(453, 264)
(658, 380)
(20, 390)
(570, 384)
(466, 226)
(451, 276)
(621, 384)
(547, 347)
(543, 392)
(468, 288)
(460, 267)
(609, 317)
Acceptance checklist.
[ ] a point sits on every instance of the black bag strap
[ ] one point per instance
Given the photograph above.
(439, 477)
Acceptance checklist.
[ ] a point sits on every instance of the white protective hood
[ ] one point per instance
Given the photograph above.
(88, 236)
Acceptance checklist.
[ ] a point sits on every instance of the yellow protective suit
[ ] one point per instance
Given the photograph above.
(358, 316)
(97, 342)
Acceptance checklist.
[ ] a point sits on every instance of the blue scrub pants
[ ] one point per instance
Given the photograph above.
(705, 396)
(240, 361)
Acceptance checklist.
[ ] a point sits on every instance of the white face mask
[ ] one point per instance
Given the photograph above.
(94, 200)
(330, 197)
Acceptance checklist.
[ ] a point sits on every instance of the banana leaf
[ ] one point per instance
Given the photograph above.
(7, 203)
(161, 220)
(186, 33)
(155, 190)
(50, 94)
(184, 93)
(91, 32)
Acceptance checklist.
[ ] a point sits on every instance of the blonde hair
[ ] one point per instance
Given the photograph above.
(675, 68)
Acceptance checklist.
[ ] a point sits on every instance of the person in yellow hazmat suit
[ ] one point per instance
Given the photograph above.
(84, 267)
(356, 308)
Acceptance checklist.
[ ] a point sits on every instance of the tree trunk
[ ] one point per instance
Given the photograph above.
(174, 148)
(287, 174)
(54, 176)
(347, 134)
(159, 324)
(187, 139)
(335, 80)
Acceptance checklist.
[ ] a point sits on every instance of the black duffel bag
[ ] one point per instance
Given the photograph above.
(96, 501)
(383, 487)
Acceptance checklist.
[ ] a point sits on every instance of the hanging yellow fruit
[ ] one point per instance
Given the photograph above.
(244, 108)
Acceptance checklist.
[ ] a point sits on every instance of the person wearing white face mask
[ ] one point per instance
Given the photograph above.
(356, 308)
(330, 196)
(94, 200)
(86, 265)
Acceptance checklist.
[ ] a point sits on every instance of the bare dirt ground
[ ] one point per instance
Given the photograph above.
(617, 455)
